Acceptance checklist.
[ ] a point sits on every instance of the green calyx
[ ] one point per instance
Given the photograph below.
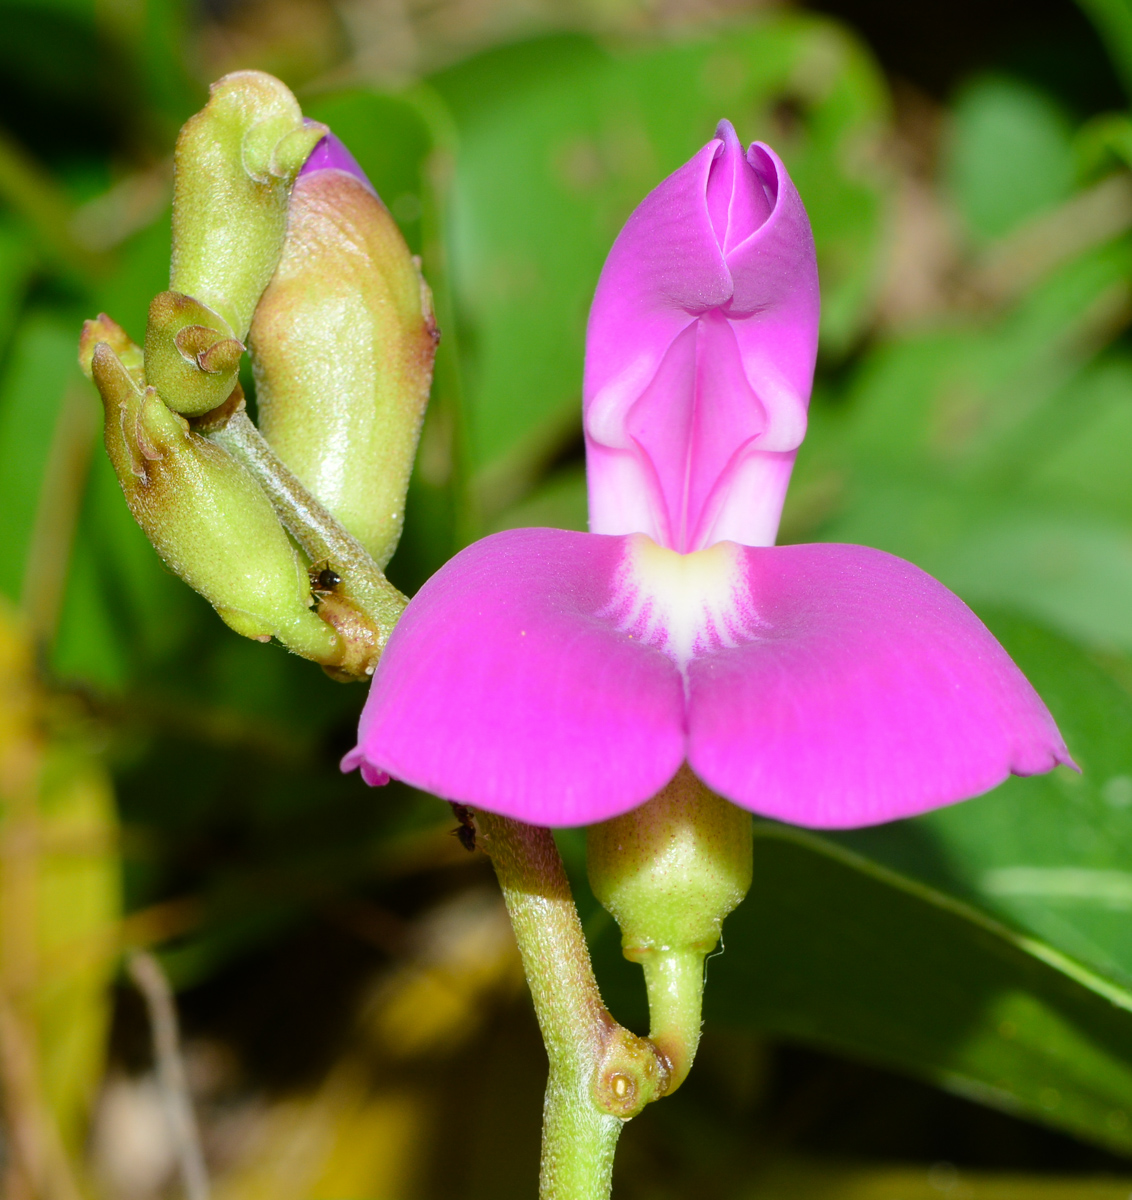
(204, 514)
(343, 342)
(669, 872)
(234, 164)
(106, 329)
(191, 357)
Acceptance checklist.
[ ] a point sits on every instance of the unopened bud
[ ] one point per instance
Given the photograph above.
(106, 329)
(234, 166)
(205, 515)
(669, 872)
(191, 357)
(343, 343)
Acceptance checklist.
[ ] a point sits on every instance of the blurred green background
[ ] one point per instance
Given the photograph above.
(940, 1007)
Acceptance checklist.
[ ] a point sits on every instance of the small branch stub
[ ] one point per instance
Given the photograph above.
(630, 1073)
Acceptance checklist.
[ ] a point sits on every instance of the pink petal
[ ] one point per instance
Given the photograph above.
(676, 446)
(869, 692)
(372, 775)
(503, 686)
(736, 199)
(331, 155)
(728, 418)
(776, 283)
(561, 678)
(663, 270)
(693, 419)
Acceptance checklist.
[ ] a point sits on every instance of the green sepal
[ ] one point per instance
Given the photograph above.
(669, 872)
(106, 329)
(206, 517)
(191, 357)
(343, 342)
(234, 165)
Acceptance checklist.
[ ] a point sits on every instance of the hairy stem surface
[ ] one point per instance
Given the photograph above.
(600, 1073)
(367, 606)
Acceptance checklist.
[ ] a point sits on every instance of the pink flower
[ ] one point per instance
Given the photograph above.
(331, 154)
(700, 354)
(562, 678)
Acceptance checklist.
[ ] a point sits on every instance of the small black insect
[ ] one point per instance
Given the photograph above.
(324, 579)
(466, 830)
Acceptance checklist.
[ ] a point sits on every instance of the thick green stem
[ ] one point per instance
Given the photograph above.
(366, 606)
(600, 1073)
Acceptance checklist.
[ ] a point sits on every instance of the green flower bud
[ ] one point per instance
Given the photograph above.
(191, 357)
(343, 343)
(669, 872)
(106, 329)
(204, 514)
(234, 165)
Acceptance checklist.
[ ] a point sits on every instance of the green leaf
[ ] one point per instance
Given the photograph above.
(1087, 467)
(1072, 570)
(833, 949)
(1011, 155)
(1114, 20)
(42, 365)
(16, 264)
(79, 906)
(1000, 964)
(560, 503)
(981, 402)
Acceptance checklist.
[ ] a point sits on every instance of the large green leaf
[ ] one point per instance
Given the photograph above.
(41, 367)
(833, 949)
(980, 403)
(1114, 20)
(1010, 155)
(1001, 962)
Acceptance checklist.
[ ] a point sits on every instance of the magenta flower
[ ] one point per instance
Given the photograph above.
(331, 154)
(563, 678)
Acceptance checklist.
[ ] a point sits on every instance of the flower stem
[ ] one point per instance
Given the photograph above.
(600, 1073)
(675, 983)
(669, 872)
(367, 606)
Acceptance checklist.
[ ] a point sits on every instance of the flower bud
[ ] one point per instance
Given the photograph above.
(106, 329)
(234, 165)
(191, 357)
(669, 872)
(204, 514)
(343, 342)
